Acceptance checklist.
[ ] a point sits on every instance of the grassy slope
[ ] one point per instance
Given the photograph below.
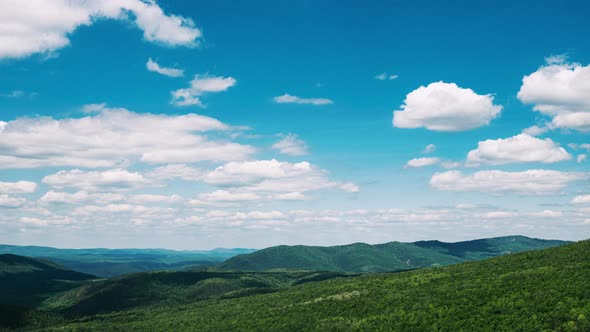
(532, 291)
(114, 262)
(392, 256)
(28, 281)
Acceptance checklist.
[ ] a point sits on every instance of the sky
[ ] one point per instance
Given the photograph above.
(203, 124)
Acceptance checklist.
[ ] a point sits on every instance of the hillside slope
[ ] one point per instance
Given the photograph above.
(392, 256)
(115, 262)
(533, 291)
(154, 289)
(28, 281)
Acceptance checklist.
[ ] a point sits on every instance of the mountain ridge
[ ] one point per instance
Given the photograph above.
(390, 256)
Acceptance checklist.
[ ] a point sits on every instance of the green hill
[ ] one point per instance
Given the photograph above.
(29, 281)
(156, 289)
(542, 290)
(115, 262)
(392, 256)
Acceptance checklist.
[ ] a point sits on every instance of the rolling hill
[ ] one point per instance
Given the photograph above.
(157, 289)
(541, 290)
(391, 256)
(29, 281)
(115, 262)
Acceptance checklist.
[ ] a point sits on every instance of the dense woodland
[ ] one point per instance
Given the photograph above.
(541, 290)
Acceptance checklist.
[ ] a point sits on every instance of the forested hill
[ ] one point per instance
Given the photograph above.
(392, 256)
(540, 290)
(28, 281)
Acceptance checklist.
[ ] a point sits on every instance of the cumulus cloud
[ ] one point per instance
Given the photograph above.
(7, 201)
(114, 179)
(113, 138)
(535, 130)
(290, 99)
(199, 86)
(534, 181)
(560, 90)
(151, 65)
(581, 199)
(291, 145)
(517, 149)
(223, 198)
(41, 26)
(19, 187)
(422, 162)
(581, 158)
(272, 177)
(430, 148)
(176, 171)
(444, 106)
(62, 197)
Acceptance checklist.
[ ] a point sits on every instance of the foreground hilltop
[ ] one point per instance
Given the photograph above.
(391, 256)
(532, 291)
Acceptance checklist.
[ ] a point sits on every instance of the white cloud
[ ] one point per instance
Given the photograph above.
(42, 26)
(89, 210)
(199, 86)
(547, 214)
(517, 149)
(581, 199)
(176, 171)
(581, 158)
(444, 106)
(7, 201)
(223, 198)
(19, 187)
(560, 90)
(289, 99)
(385, 76)
(113, 138)
(291, 145)
(155, 199)
(14, 94)
(79, 197)
(33, 221)
(272, 176)
(422, 162)
(535, 130)
(534, 181)
(293, 196)
(498, 215)
(585, 146)
(430, 148)
(114, 179)
(151, 65)
(451, 164)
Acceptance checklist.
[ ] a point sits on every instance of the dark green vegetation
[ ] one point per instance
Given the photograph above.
(392, 256)
(114, 262)
(28, 281)
(162, 289)
(542, 290)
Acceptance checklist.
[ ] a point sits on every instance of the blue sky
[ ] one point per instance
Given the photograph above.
(256, 124)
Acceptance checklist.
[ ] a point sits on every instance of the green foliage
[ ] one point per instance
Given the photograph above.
(543, 290)
(392, 256)
(28, 281)
(115, 262)
(158, 289)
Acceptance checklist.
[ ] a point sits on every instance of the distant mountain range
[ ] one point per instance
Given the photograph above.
(391, 256)
(114, 262)
(536, 290)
